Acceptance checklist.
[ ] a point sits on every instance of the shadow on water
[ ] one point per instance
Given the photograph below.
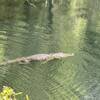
(51, 26)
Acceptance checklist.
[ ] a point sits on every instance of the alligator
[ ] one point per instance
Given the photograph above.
(39, 57)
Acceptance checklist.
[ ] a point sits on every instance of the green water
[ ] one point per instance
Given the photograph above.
(48, 26)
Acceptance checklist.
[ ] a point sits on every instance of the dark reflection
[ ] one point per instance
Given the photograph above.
(90, 60)
(91, 49)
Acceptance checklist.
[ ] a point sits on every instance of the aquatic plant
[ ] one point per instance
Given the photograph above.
(8, 93)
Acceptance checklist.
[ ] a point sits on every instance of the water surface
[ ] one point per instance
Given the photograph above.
(49, 26)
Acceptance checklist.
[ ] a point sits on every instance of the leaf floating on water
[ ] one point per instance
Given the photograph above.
(27, 97)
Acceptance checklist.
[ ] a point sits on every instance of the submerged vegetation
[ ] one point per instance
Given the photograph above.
(8, 94)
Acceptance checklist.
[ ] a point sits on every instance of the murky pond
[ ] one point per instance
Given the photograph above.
(47, 26)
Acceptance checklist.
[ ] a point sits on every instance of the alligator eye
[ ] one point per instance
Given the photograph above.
(22, 61)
